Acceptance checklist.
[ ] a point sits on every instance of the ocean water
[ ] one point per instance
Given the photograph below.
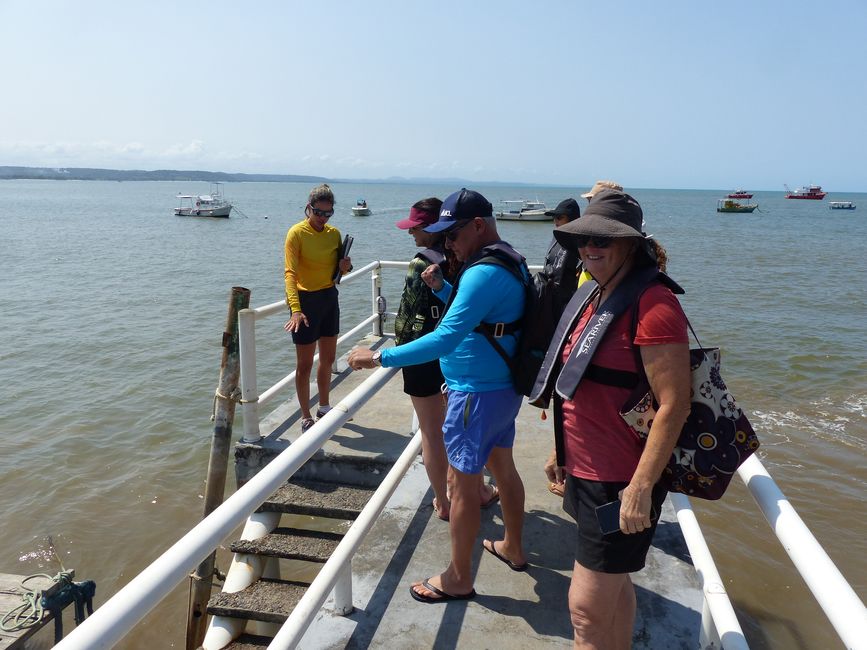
(113, 310)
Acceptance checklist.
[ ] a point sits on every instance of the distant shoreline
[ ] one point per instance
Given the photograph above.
(98, 174)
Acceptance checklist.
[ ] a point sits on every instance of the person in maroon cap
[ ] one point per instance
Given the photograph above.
(418, 314)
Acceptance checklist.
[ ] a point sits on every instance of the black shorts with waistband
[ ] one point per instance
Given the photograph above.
(323, 315)
(615, 552)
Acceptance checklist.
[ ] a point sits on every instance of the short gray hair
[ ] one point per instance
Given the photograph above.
(321, 193)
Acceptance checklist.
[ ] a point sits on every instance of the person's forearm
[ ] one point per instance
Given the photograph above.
(660, 442)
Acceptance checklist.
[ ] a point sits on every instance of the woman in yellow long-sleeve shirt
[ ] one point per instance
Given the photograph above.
(311, 257)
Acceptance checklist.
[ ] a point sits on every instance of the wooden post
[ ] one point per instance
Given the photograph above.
(218, 465)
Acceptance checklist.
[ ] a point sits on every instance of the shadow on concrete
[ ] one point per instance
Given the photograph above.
(669, 539)
(663, 623)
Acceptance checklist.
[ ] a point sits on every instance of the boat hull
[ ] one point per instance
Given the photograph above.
(526, 215)
(739, 195)
(360, 212)
(221, 212)
(742, 208)
(807, 197)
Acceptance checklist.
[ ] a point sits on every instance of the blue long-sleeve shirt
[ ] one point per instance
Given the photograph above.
(488, 293)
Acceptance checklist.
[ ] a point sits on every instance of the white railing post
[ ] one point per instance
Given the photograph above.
(375, 299)
(343, 591)
(249, 394)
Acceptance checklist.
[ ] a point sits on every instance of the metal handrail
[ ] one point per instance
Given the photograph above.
(117, 616)
(835, 596)
(340, 561)
(719, 623)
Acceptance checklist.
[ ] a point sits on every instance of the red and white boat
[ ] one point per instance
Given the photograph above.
(813, 192)
(740, 194)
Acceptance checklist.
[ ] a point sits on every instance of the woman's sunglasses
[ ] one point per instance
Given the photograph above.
(583, 241)
(452, 234)
(321, 213)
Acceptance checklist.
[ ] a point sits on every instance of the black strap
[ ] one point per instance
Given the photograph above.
(624, 295)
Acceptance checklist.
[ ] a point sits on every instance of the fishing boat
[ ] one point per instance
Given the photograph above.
(841, 205)
(730, 205)
(740, 194)
(811, 192)
(523, 210)
(212, 204)
(360, 208)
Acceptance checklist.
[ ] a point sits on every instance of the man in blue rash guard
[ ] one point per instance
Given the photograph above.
(479, 428)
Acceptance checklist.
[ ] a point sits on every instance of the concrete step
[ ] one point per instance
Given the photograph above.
(249, 642)
(318, 499)
(267, 600)
(291, 544)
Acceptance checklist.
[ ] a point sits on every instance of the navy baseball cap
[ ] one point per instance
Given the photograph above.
(460, 206)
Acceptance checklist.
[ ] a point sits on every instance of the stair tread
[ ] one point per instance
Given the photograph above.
(249, 642)
(319, 499)
(266, 600)
(291, 543)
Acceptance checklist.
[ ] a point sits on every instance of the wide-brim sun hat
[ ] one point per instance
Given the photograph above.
(611, 213)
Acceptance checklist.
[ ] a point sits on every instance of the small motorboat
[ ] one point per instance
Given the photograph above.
(740, 194)
(812, 192)
(523, 210)
(212, 204)
(730, 205)
(841, 205)
(360, 208)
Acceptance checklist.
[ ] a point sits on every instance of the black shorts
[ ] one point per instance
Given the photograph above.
(423, 380)
(323, 315)
(615, 552)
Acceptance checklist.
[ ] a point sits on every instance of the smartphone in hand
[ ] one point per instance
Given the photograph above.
(608, 515)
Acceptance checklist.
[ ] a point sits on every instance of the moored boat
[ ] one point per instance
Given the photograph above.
(212, 204)
(360, 208)
(811, 192)
(740, 194)
(841, 205)
(523, 210)
(730, 205)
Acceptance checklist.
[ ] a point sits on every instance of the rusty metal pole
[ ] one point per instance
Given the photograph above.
(218, 465)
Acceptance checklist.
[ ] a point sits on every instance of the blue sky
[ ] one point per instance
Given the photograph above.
(676, 94)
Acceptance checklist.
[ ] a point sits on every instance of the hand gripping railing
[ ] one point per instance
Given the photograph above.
(115, 618)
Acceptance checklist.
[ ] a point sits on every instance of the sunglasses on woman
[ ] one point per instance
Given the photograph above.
(321, 213)
(583, 241)
(452, 234)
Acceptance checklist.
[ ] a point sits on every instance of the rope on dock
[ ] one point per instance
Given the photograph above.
(32, 611)
(234, 397)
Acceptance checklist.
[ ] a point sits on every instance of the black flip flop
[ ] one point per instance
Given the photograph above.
(493, 551)
(443, 597)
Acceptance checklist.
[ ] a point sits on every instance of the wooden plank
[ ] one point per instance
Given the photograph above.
(11, 593)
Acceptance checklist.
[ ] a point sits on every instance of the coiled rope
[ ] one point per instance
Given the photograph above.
(32, 610)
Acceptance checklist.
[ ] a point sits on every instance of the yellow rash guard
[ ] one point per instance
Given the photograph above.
(311, 258)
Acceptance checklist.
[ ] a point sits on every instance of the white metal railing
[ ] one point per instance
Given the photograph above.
(835, 596)
(340, 561)
(111, 622)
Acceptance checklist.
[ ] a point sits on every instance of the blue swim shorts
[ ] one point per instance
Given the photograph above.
(476, 423)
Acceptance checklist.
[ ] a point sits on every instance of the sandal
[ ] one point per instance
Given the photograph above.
(306, 423)
(437, 511)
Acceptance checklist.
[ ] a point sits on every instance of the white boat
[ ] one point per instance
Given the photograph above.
(523, 210)
(212, 204)
(841, 205)
(360, 208)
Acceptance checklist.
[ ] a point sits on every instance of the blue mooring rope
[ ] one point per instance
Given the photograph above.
(32, 610)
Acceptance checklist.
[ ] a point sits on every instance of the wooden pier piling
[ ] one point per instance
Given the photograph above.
(218, 464)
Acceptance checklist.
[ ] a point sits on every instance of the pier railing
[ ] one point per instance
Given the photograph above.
(720, 627)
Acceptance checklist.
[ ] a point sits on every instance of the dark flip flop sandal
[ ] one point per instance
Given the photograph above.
(446, 518)
(492, 549)
(494, 498)
(442, 597)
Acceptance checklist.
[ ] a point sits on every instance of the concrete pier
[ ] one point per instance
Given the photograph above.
(409, 543)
